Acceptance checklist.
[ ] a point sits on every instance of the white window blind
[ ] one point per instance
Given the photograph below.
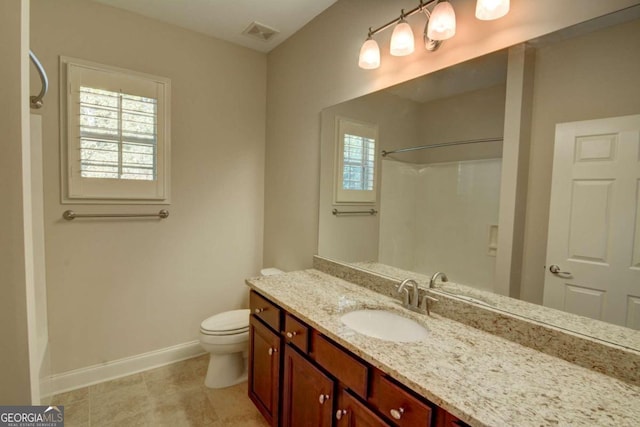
(117, 134)
(359, 162)
(355, 161)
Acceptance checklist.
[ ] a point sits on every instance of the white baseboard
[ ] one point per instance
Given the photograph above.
(83, 377)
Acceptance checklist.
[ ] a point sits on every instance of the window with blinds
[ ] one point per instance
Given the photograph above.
(117, 142)
(355, 162)
(117, 135)
(358, 164)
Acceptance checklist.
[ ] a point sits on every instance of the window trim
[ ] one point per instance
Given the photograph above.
(78, 190)
(355, 127)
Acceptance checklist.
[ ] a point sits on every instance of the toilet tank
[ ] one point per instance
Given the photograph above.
(271, 271)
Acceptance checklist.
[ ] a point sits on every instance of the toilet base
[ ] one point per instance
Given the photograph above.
(226, 370)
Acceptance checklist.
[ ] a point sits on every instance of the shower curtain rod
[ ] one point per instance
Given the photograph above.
(443, 144)
(36, 101)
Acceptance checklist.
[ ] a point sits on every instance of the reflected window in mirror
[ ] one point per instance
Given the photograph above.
(355, 161)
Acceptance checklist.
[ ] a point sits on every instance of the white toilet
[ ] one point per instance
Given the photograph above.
(226, 337)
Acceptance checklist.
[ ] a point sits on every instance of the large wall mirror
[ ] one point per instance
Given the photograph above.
(442, 177)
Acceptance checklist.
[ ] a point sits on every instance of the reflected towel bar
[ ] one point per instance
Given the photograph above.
(444, 144)
(70, 215)
(372, 211)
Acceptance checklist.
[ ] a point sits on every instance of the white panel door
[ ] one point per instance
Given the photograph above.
(593, 246)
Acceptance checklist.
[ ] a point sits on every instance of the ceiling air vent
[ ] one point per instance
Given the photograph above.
(260, 31)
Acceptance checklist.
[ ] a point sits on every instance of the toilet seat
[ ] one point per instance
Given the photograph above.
(234, 322)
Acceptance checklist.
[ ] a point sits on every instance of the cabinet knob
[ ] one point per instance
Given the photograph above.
(272, 350)
(397, 413)
(340, 413)
(323, 398)
(291, 334)
(258, 310)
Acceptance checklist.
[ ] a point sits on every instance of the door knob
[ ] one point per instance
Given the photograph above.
(291, 334)
(272, 350)
(323, 398)
(340, 413)
(555, 269)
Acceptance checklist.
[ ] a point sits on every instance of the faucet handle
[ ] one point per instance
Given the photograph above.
(425, 301)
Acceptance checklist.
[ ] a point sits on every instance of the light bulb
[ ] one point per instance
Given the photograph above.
(402, 43)
(488, 10)
(442, 23)
(369, 55)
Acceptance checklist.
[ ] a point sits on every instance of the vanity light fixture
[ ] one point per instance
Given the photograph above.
(488, 10)
(402, 38)
(440, 26)
(369, 54)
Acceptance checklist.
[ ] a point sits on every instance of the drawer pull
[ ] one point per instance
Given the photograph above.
(397, 413)
(340, 413)
(272, 350)
(258, 310)
(291, 334)
(323, 398)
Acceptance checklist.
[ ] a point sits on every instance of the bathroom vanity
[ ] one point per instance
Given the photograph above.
(307, 368)
(313, 379)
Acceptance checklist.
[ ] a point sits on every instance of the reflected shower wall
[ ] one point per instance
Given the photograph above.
(441, 217)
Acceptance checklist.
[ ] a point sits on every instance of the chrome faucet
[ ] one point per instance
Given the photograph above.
(432, 282)
(409, 301)
(412, 302)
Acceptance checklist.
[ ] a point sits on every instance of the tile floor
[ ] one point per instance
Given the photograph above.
(173, 395)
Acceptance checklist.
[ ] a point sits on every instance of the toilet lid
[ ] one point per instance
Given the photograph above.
(226, 323)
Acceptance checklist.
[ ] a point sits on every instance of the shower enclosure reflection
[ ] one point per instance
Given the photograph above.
(441, 216)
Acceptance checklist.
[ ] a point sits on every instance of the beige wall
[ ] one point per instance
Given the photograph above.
(472, 115)
(118, 288)
(14, 144)
(588, 77)
(317, 68)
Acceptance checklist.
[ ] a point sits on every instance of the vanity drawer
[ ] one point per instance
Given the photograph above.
(265, 310)
(351, 372)
(296, 333)
(397, 404)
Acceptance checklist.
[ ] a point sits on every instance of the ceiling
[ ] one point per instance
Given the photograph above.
(227, 19)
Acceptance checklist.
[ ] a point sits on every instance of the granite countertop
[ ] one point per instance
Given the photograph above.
(481, 378)
(607, 332)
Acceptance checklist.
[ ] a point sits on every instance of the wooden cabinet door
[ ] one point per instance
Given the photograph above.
(445, 419)
(307, 396)
(401, 408)
(351, 413)
(264, 369)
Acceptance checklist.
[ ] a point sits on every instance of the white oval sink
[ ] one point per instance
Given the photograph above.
(384, 325)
